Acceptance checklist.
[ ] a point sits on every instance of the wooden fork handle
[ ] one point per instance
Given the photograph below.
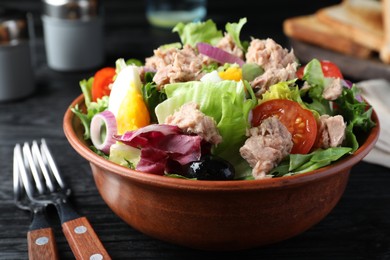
(41, 244)
(82, 239)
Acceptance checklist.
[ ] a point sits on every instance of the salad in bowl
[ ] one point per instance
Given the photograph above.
(214, 107)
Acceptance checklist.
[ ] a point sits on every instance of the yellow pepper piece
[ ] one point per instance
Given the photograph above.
(232, 73)
(133, 113)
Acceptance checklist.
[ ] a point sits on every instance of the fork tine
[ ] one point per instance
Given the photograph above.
(19, 191)
(50, 161)
(16, 176)
(31, 165)
(40, 161)
(21, 173)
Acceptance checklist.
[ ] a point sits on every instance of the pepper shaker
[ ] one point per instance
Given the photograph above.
(16, 73)
(73, 34)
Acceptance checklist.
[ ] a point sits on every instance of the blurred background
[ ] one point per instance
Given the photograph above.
(129, 35)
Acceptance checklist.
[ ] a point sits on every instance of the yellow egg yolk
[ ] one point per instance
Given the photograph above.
(232, 73)
(132, 113)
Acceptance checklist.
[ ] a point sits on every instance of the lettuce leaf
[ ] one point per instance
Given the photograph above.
(86, 88)
(92, 109)
(152, 97)
(282, 90)
(234, 29)
(193, 33)
(301, 163)
(226, 102)
(313, 74)
(355, 113)
(315, 77)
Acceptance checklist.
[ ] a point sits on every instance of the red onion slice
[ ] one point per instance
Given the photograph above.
(218, 54)
(103, 128)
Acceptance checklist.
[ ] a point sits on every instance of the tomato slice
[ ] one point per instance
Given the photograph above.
(300, 122)
(101, 82)
(329, 69)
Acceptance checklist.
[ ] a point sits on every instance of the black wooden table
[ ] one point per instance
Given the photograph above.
(358, 227)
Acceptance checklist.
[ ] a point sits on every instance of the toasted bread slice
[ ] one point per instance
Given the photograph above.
(309, 29)
(368, 10)
(352, 26)
(385, 50)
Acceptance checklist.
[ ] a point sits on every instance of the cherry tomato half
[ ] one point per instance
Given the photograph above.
(300, 122)
(329, 69)
(101, 82)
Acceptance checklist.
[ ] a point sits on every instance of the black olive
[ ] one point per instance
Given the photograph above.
(299, 82)
(210, 167)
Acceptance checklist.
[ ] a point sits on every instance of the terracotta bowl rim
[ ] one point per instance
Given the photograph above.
(234, 185)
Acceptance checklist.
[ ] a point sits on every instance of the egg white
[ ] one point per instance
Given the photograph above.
(126, 79)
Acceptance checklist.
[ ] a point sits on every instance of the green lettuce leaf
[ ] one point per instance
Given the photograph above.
(315, 77)
(353, 110)
(313, 74)
(152, 97)
(302, 163)
(135, 62)
(120, 64)
(319, 158)
(355, 113)
(86, 88)
(92, 109)
(282, 90)
(176, 45)
(193, 33)
(234, 29)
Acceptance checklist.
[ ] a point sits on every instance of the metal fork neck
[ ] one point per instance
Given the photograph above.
(65, 210)
(39, 220)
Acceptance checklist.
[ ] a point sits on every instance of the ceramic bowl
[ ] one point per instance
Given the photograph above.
(217, 215)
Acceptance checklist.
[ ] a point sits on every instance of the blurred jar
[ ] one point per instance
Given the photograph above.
(167, 13)
(73, 34)
(16, 73)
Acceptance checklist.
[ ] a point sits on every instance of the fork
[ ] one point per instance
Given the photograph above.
(40, 237)
(45, 179)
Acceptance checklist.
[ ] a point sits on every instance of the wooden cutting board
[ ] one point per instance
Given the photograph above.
(354, 69)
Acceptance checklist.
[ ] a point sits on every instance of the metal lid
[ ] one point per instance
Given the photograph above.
(13, 26)
(71, 9)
